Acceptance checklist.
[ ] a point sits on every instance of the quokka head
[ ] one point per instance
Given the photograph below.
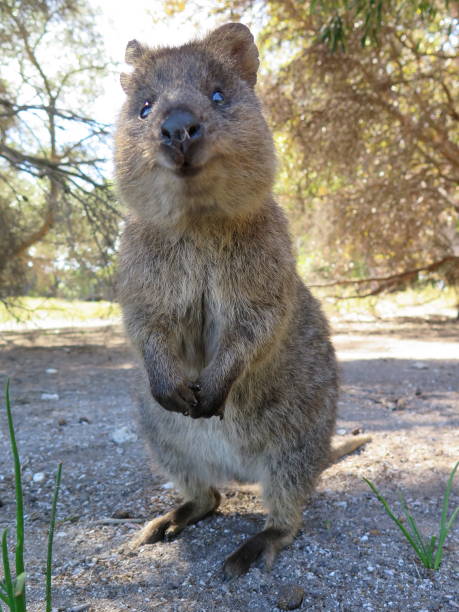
(191, 137)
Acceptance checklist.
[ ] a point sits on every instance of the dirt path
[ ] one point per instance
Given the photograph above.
(71, 393)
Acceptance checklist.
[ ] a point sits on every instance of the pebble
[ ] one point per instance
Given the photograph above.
(167, 485)
(51, 371)
(290, 597)
(341, 432)
(38, 477)
(49, 396)
(122, 434)
(122, 514)
(418, 365)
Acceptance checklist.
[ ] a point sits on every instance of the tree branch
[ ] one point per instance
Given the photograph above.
(387, 281)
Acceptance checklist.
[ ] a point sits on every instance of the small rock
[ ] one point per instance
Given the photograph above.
(51, 371)
(418, 365)
(122, 514)
(357, 431)
(122, 434)
(49, 396)
(341, 432)
(62, 422)
(290, 597)
(84, 419)
(167, 485)
(39, 477)
(418, 391)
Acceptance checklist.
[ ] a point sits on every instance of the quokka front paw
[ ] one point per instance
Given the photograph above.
(179, 398)
(211, 401)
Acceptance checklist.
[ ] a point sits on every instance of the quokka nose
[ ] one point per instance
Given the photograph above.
(180, 129)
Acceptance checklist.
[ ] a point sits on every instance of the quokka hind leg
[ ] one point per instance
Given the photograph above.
(282, 525)
(171, 524)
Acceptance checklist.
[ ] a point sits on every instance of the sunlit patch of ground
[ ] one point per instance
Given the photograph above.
(46, 313)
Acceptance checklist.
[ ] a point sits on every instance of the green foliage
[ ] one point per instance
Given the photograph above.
(13, 589)
(366, 16)
(57, 209)
(429, 550)
(369, 171)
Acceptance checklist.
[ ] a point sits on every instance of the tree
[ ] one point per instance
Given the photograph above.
(375, 132)
(52, 174)
(363, 97)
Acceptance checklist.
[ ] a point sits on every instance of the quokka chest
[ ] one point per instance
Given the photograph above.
(191, 294)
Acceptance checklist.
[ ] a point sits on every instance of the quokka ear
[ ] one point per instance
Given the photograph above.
(235, 42)
(125, 80)
(134, 52)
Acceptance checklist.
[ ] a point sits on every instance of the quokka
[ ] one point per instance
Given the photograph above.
(240, 375)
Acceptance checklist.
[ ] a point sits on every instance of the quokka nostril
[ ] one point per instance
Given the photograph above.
(180, 128)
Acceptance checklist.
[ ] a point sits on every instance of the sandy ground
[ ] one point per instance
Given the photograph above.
(71, 391)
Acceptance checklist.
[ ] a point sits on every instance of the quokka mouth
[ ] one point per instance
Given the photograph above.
(187, 170)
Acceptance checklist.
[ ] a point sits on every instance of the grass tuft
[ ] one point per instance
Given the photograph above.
(13, 590)
(52, 525)
(428, 550)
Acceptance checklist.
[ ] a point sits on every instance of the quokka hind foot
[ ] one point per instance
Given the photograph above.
(169, 525)
(263, 545)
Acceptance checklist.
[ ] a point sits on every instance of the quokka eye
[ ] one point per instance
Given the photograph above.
(217, 97)
(146, 109)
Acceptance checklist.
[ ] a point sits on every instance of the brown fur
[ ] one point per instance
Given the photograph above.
(220, 319)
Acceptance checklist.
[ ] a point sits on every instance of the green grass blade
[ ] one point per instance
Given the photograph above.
(21, 602)
(3, 597)
(3, 593)
(431, 546)
(6, 569)
(19, 585)
(389, 512)
(426, 559)
(50, 540)
(445, 525)
(449, 524)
